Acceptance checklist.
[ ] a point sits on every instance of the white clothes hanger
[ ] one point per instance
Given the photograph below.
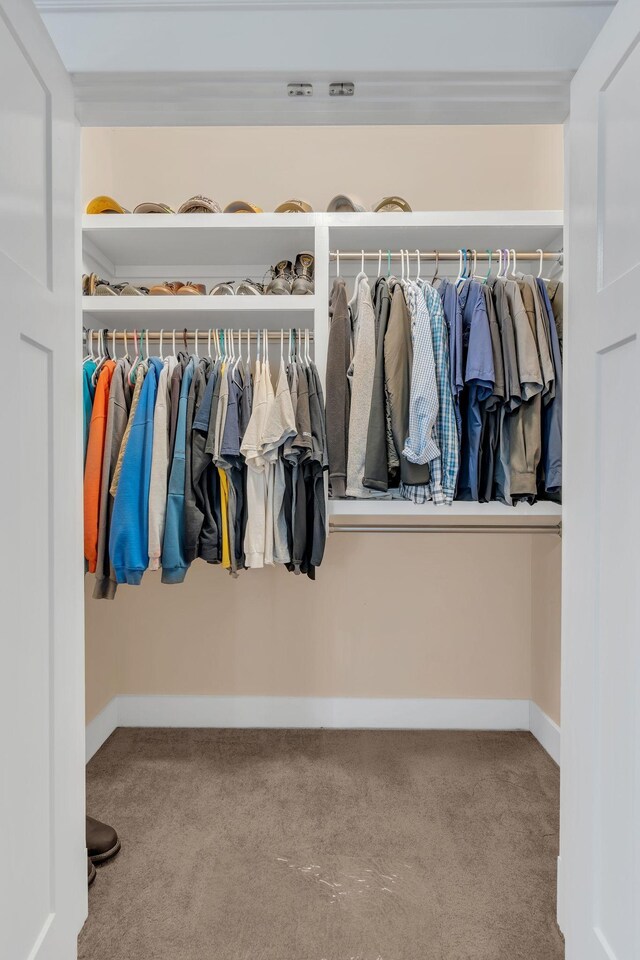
(89, 344)
(379, 262)
(418, 262)
(515, 263)
(539, 251)
(459, 277)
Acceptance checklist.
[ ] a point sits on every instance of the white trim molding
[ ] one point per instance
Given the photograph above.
(101, 727)
(180, 6)
(340, 713)
(545, 730)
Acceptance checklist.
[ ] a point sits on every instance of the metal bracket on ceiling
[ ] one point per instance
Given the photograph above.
(341, 89)
(300, 89)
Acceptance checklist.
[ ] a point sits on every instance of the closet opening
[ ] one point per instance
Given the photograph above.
(361, 753)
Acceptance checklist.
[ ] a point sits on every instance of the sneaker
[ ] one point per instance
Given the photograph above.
(282, 280)
(222, 290)
(304, 270)
(249, 288)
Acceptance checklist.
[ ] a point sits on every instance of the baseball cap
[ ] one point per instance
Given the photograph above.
(152, 208)
(294, 206)
(241, 206)
(344, 204)
(200, 204)
(392, 205)
(105, 205)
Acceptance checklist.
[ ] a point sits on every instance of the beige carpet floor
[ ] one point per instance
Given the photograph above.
(324, 845)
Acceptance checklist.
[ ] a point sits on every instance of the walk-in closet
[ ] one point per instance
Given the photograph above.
(319, 416)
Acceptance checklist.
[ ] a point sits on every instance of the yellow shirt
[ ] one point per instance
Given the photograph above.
(224, 510)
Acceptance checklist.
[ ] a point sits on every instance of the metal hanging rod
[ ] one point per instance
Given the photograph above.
(439, 255)
(167, 333)
(537, 528)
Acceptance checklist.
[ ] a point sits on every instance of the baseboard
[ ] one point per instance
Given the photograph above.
(313, 712)
(100, 728)
(545, 730)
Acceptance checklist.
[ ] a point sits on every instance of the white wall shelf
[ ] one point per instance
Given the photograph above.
(459, 509)
(272, 312)
(131, 245)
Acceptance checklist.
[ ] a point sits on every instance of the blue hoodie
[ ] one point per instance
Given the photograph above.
(129, 533)
(174, 562)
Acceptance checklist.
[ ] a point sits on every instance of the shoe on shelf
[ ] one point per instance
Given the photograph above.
(129, 290)
(222, 290)
(166, 289)
(249, 288)
(91, 872)
(303, 270)
(191, 289)
(102, 841)
(104, 289)
(282, 279)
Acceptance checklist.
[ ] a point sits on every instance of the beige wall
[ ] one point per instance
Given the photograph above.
(434, 168)
(389, 615)
(545, 628)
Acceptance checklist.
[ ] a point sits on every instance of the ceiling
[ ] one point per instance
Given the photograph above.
(163, 62)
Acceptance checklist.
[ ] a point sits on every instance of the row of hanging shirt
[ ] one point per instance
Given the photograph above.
(446, 390)
(197, 457)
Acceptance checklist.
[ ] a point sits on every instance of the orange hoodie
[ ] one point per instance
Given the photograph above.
(93, 463)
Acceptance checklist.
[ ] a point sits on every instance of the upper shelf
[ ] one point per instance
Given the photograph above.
(448, 230)
(184, 242)
(132, 244)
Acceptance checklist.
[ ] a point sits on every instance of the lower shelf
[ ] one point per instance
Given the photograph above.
(469, 511)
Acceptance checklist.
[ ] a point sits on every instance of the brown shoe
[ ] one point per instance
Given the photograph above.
(91, 872)
(192, 289)
(167, 289)
(102, 841)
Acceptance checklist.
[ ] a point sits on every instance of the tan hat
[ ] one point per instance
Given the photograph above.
(105, 205)
(294, 206)
(200, 204)
(344, 204)
(152, 208)
(241, 206)
(392, 205)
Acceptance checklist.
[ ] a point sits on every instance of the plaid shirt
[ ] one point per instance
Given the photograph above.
(444, 468)
(420, 445)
